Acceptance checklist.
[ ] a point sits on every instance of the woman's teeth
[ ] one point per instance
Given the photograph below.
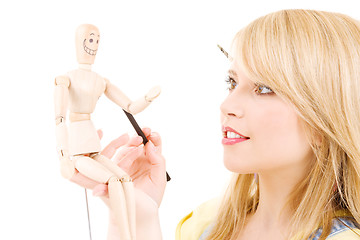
(233, 135)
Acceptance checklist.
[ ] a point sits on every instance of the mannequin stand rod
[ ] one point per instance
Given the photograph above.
(88, 214)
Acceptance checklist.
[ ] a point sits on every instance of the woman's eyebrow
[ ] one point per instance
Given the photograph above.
(232, 72)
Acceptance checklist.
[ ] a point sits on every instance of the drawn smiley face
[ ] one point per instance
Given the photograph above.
(91, 43)
(87, 40)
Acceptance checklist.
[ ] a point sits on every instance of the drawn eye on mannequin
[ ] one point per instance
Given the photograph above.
(91, 40)
(259, 89)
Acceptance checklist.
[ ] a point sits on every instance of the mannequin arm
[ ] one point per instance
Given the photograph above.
(61, 96)
(117, 96)
(140, 104)
(62, 84)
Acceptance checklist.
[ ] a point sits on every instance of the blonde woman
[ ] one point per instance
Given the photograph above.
(291, 125)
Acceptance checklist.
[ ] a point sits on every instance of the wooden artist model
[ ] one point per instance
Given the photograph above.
(78, 144)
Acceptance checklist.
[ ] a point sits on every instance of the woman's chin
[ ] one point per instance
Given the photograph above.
(234, 166)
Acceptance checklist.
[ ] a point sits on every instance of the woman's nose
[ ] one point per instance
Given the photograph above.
(232, 106)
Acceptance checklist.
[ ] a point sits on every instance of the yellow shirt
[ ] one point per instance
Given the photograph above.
(192, 226)
(345, 235)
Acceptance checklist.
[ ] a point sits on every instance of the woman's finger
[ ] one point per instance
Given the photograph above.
(100, 190)
(146, 131)
(155, 158)
(83, 181)
(156, 140)
(100, 133)
(110, 149)
(127, 159)
(157, 161)
(133, 143)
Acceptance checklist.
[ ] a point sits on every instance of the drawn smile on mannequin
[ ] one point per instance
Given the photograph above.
(89, 50)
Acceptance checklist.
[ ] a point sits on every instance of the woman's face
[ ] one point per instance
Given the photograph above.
(276, 138)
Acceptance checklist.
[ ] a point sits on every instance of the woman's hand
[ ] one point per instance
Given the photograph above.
(144, 164)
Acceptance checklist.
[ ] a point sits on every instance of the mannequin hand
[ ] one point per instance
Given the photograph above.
(153, 93)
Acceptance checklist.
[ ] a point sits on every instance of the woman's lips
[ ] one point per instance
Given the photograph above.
(231, 141)
(232, 137)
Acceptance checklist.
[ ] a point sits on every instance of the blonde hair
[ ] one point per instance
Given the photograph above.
(310, 59)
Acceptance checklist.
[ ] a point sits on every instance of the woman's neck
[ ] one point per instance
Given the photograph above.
(275, 187)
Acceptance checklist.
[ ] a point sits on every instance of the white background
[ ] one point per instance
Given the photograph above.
(143, 43)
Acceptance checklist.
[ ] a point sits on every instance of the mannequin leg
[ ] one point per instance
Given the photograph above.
(94, 170)
(128, 189)
(116, 192)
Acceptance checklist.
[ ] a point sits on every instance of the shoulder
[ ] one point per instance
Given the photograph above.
(62, 80)
(347, 235)
(195, 223)
(72, 72)
(342, 229)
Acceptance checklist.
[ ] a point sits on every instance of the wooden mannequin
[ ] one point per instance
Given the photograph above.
(78, 144)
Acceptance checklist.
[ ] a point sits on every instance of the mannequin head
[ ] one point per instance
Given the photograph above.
(87, 43)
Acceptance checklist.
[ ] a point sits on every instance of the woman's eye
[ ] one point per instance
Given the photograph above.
(231, 83)
(262, 89)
